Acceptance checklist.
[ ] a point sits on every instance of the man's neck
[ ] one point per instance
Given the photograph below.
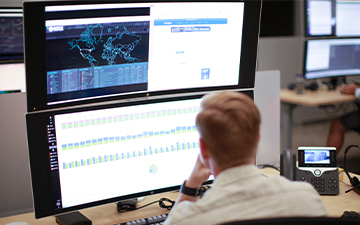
(216, 170)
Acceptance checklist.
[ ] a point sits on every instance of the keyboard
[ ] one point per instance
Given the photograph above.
(153, 220)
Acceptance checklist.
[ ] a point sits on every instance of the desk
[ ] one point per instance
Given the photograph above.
(289, 100)
(107, 214)
(336, 205)
(101, 215)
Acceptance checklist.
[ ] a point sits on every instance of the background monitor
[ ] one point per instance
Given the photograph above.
(11, 35)
(325, 58)
(92, 51)
(332, 18)
(84, 157)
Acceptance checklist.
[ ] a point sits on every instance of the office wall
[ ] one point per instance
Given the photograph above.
(11, 3)
(267, 99)
(284, 54)
(12, 77)
(15, 188)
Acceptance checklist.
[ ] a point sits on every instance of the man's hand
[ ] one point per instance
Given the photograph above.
(349, 89)
(199, 175)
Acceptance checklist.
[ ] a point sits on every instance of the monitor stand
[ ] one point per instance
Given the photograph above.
(73, 218)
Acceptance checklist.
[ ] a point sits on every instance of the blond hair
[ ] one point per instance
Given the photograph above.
(229, 125)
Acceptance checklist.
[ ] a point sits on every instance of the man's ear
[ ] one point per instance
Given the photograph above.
(204, 153)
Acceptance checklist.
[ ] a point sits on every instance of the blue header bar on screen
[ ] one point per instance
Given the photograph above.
(172, 22)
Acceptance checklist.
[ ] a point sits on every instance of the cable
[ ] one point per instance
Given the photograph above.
(345, 167)
(161, 204)
(204, 188)
(358, 185)
(335, 111)
(353, 180)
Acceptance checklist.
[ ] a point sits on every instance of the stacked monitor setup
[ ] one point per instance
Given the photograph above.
(332, 48)
(113, 89)
(11, 35)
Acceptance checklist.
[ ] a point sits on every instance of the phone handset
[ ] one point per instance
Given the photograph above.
(288, 164)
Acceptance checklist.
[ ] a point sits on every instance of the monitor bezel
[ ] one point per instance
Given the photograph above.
(305, 50)
(38, 147)
(35, 41)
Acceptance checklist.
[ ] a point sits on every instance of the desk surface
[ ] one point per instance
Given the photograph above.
(315, 98)
(107, 214)
(335, 205)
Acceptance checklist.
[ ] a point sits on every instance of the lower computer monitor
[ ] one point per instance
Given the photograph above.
(324, 58)
(83, 157)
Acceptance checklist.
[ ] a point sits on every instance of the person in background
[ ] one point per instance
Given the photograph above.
(348, 122)
(229, 125)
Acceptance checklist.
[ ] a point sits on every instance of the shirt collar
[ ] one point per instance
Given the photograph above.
(236, 173)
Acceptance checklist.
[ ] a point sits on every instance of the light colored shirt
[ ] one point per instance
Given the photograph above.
(243, 193)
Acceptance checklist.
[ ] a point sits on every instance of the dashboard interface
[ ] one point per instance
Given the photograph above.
(11, 35)
(113, 49)
(83, 157)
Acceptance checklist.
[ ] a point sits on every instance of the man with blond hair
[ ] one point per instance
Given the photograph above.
(229, 125)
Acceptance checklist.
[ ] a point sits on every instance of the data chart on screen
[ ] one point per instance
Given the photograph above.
(152, 146)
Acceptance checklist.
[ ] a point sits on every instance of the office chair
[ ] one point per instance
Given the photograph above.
(298, 221)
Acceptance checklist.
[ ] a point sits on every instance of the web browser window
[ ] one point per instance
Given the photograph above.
(113, 49)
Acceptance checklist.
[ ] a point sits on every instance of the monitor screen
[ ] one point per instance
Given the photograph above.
(11, 35)
(317, 156)
(332, 18)
(94, 51)
(325, 58)
(83, 157)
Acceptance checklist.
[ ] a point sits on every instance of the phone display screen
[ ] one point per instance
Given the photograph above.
(317, 157)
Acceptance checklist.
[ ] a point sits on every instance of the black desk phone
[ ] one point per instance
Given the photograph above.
(315, 165)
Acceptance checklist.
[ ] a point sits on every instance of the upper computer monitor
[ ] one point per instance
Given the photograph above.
(332, 18)
(89, 51)
(325, 58)
(11, 35)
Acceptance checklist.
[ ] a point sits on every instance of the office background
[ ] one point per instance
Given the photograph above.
(280, 52)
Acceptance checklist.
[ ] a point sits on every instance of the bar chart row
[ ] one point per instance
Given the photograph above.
(128, 117)
(128, 155)
(115, 139)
